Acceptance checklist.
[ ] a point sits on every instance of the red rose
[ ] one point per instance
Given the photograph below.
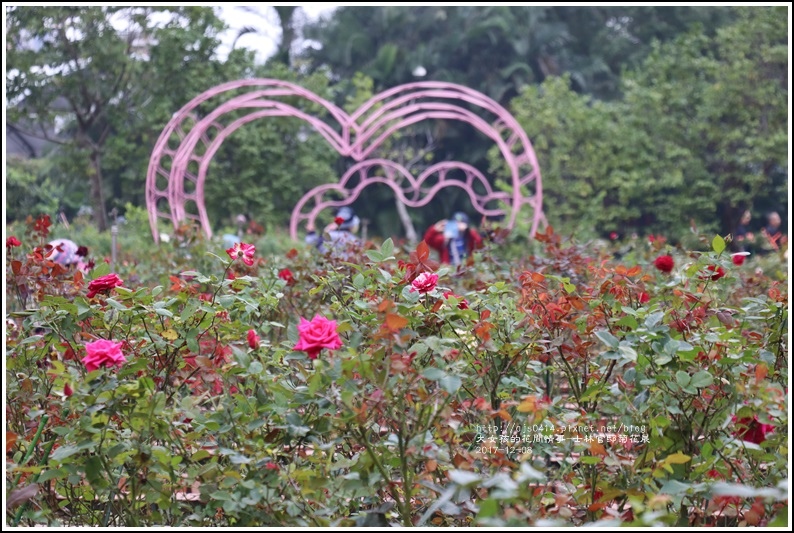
(717, 272)
(613, 235)
(104, 284)
(339, 221)
(424, 282)
(12, 241)
(271, 466)
(318, 334)
(103, 353)
(738, 258)
(253, 339)
(286, 275)
(751, 430)
(664, 263)
(67, 390)
(644, 298)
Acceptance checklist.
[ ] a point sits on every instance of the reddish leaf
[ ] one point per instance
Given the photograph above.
(422, 251)
(385, 305)
(16, 267)
(482, 404)
(395, 322)
(633, 271)
(11, 439)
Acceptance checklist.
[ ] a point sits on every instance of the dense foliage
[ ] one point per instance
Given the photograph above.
(198, 387)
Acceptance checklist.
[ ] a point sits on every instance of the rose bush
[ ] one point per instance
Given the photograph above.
(572, 389)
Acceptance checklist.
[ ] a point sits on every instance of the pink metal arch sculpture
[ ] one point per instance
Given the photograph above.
(180, 156)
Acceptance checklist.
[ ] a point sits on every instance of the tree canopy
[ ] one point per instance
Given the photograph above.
(644, 119)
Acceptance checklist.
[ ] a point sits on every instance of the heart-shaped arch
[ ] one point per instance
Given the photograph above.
(355, 136)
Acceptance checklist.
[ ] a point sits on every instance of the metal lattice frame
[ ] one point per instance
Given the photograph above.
(355, 136)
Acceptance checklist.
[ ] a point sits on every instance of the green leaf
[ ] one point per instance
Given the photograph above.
(718, 244)
(116, 305)
(674, 487)
(102, 269)
(359, 282)
(433, 374)
(374, 255)
(701, 379)
(464, 477)
(451, 384)
(199, 455)
(255, 368)
(607, 338)
(488, 508)
(387, 248)
(627, 351)
(683, 379)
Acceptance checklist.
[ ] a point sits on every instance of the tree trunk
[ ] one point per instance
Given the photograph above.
(285, 15)
(408, 225)
(97, 191)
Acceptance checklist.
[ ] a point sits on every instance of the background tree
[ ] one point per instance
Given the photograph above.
(700, 135)
(96, 61)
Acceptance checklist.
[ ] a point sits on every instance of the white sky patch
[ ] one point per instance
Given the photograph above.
(264, 20)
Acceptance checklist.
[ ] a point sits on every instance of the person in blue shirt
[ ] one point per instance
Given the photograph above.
(453, 239)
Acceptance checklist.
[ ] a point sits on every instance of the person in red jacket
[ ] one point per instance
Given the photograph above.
(453, 239)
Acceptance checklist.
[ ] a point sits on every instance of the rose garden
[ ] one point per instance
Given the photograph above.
(559, 386)
(604, 346)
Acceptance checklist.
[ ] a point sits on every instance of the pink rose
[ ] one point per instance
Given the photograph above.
(244, 251)
(424, 282)
(104, 284)
(253, 339)
(103, 353)
(318, 334)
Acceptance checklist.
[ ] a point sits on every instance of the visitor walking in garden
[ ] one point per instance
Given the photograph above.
(453, 239)
(744, 238)
(774, 238)
(67, 253)
(338, 236)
